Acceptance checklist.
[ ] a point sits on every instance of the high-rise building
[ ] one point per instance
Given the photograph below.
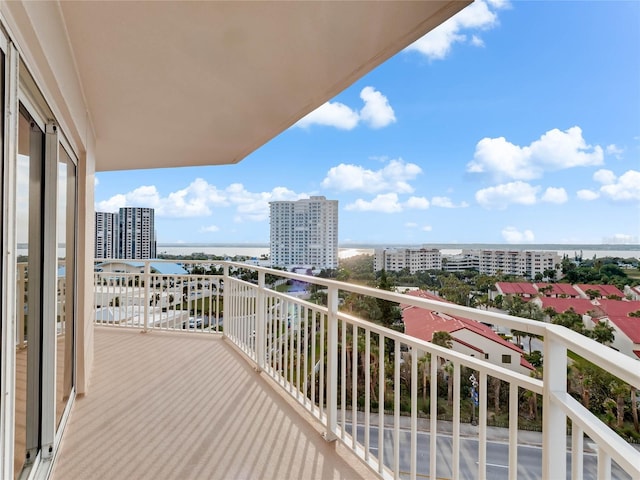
(106, 238)
(137, 238)
(304, 233)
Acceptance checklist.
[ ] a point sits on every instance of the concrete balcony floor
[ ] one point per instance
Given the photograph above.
(167, 405)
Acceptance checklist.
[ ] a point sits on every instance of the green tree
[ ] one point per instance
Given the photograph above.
(444, 339)
(592, 293)
(603, 333)
(390, 314)
(570, 319)
(454, 289)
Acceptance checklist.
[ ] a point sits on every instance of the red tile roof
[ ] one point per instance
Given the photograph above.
(559, 289)
(637, 352)
(605, 290)
(630, 326)
(423, 323)
(618, 308)
(516, 288)
(561, 305)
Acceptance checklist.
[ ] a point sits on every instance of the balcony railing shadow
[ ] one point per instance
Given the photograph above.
(166, 406)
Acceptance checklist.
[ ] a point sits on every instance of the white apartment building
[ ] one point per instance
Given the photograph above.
(526, 263)
(137, 233)
(304, 233)
(106, 238)
(415, 259)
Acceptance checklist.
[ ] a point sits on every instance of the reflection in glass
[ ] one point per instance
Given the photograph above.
(65, 223)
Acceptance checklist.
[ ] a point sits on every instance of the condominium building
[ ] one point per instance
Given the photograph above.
(417, 259)
(526, 263)
(304, 233)
(137, 238)
(106, 237)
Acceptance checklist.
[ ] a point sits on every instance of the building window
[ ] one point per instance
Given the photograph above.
(486, 356)
(506, 358)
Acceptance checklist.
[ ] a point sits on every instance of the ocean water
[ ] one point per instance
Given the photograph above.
(346, 251)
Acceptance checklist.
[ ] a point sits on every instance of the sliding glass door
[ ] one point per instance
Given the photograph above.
(29, 292)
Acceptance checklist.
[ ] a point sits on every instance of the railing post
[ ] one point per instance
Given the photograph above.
(554, 420)
(260, 323)
(332, 364)
(147, 300)
(226, 305)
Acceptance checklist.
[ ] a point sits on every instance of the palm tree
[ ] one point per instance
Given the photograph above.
(619, 390)
(424, 366)
(444, 339)
(634, 409)
(603, 333)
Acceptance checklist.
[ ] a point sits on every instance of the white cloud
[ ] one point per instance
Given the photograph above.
(445, 202)
(198, 199)
(113, 204)
(500, 196)
(476, 41)
(625, 188)
(555, 195)
(376, 113)
(330, 114)
(427, 228)
(418, 203)
(411, 225)
(210, 228)
(513, 235)
(555, 150)
(96, 181)
(384, 203)
(437, 44)
(605, 177)
(392, 177)
(614, 150)
(587, 195)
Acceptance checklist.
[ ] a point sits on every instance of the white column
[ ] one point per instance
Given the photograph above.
(554, 421)
(332, 364)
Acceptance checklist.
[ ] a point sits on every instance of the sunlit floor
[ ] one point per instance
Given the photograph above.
(185, 406)
(21, 398)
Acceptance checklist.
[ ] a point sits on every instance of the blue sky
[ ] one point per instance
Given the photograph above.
(511, 123)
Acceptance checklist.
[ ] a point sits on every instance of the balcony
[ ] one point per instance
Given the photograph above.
(233, 379)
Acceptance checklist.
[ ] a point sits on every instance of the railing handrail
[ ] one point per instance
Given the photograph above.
(626, 368)
(269, 336)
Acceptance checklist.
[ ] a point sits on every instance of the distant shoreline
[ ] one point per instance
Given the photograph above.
(346, 250)
(501, 246)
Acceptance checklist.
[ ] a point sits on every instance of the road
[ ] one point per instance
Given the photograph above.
(529, 457)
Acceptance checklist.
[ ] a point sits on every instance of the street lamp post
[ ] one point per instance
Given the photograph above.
(474, 398)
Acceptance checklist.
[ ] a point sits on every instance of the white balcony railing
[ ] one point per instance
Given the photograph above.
(342, 368)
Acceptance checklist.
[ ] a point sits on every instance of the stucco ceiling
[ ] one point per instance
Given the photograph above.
(172, 84)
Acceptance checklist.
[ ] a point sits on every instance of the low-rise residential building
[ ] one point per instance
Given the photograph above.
(581, 306)
(414, 259)
(621, 315)
(558, 290)
(632, 293)
(599, 291)
(521, 289)
(468, 336)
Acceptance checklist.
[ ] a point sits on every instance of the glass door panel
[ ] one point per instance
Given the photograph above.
(29, 290)
(65, 226)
